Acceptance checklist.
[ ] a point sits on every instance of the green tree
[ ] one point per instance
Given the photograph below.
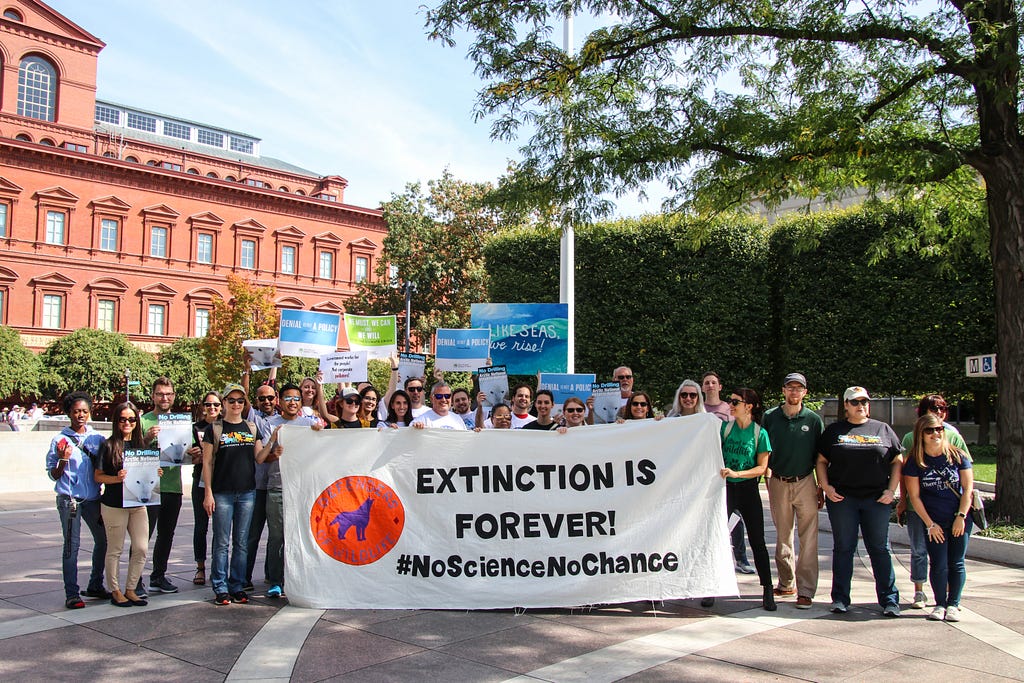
(94, 361)
(434, 240)
(184, 362)
(733, 100)
(19, 367)
(249, 314)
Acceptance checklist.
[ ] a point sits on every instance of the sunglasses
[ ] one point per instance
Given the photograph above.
(443, 397)
(735, 401)
(291, 399)
(938, 408)
(859, 401)
(687, 394)
(933, 430)
(574, 410)
(353, 400)
(234, 401)
(414, 388)
(620, 377)
(639, 404)
(211, 404)
(265, 398)
(127, 420)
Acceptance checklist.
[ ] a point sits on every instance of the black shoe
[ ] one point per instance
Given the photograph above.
(222, 599)
(239, 597)
(101, 593)
(140, 602)
(125, 603)
(140, 590)
(162, 585)
(707, 602)
(769, 600)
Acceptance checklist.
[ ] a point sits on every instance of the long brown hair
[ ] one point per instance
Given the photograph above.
(117, 443)
(917, 452)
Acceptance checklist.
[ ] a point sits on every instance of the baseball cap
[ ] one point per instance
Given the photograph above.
(349, 391)
(228, 388)
(855, 392)
(795, 377)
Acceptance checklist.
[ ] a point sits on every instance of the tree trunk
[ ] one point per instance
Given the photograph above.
(982, 415)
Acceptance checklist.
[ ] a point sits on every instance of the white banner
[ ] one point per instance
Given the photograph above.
(414, 518)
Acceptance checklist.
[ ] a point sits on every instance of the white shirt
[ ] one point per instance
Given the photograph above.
(449, 421)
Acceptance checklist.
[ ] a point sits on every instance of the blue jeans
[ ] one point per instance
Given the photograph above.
(232, 515)
(918, 547)
(947, 565)
(872, 519)
(71, 527)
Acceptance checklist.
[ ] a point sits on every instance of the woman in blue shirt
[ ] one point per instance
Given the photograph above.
(939, 483)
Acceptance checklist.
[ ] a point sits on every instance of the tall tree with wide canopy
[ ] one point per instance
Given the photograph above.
(733, 100)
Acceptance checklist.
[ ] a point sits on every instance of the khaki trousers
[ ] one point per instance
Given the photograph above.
(797, 500)
(136, 522)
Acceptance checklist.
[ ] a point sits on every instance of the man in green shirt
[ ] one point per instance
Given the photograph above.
(164, 517)
(793, 491)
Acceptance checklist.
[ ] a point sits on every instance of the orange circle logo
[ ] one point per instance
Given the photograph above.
(357, 520)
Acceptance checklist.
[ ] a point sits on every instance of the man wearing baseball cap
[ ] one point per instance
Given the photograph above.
(793, 491)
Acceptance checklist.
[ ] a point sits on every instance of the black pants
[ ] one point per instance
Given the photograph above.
(202, 523)
(744, 498)
(259, 521)
(163, 518)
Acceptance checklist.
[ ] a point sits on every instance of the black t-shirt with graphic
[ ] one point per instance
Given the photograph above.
(234, 464)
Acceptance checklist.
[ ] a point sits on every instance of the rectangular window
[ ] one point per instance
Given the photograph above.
(362, 267)
(241, 145)
(108, 235)
(177, 130)
(108, 115)
(327, 265)
(55, 227)
(170, 166)
(248, 255)
(156, 319)
(255, 183)
(208, 137)
(202, 321)
(105, 315)
(158, 242)
(141, 122)
(3, 219)
(2, 302)
(52, 311)
(288, 260)
(204, 248)
(75, 147)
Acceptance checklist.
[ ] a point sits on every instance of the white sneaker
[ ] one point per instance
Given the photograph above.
(938, 614)
(952, 613)
(920, 600)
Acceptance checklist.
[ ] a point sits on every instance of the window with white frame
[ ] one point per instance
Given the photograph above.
(158, 242)
(327, 265)
(4, 213)
(202, 321)
(204, 248)
(241, 145)
(157, 314)
(55, 227)
(108, 234)
(53, 310)
(288, 260)
(247, 257)
(141, 122)
(108, 115)
(208, 137)
(105, 315)
(177, 130)
(37, 89)
(362, 268)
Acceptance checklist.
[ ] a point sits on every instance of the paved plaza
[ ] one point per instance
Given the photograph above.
(185, 637)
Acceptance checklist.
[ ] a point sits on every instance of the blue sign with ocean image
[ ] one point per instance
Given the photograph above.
(526, 338)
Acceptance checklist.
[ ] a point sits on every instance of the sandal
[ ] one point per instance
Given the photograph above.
(200, 578)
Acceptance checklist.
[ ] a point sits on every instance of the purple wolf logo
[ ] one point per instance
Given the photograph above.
(357, 518)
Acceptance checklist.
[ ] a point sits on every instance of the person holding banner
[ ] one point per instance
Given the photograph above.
(501, 417)
(368, 406)
(543, 405)
(117, 519)
(462, 405)
(745, 451)
(639, 406)
(688, 400)
(399, 413)
(439, 416)
(350, 403)
(573, 414)
(313, 402)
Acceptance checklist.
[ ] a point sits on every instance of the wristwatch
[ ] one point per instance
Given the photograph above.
(961, 514)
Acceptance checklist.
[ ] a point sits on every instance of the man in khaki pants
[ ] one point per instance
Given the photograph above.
(793, 491)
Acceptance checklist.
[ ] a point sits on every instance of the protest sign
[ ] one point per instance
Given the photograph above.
(563, 386)
(413, 519)
(141, 485)
(526, 338)
(174, 438)
(411, 365)
(344, 366)
(265, 353)
(375, 334)
(308, 334)
(462, 350)
(607, 401)
(494, 385)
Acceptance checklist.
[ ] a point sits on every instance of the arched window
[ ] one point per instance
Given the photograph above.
(37, 89)
(229, 177)
(48, 142)
(211, 174)
(23, 137)
(193, 171)
(131, 159)
(282, 189)
(13, 14)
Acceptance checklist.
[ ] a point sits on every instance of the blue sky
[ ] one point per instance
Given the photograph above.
(344, 87)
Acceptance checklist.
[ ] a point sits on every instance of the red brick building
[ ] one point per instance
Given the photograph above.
(117, 218)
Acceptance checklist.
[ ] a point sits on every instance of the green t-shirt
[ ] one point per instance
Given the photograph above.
(738, 449)
(794, 441)
(170, 482)
(956, 440)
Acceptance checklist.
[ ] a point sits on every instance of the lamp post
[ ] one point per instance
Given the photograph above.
(567, 262)
(409, 288)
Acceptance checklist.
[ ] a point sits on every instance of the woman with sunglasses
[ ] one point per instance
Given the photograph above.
(688, 400)
(935, 404)
(639, 406)
(573, 414)
(399, 411)
(117, 519)
(939, 482)
(745, 451)
(348, 407)
(368, 406)
(209, 412)
(501, 416)
(858, 468)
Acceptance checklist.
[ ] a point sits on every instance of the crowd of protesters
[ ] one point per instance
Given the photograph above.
(856, 468)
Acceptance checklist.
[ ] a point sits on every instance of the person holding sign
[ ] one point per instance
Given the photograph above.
(118, 519)
(313, 402)
(745, 451)
(163, 518)
(688, 400)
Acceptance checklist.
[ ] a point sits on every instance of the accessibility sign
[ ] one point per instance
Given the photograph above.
(981, 366)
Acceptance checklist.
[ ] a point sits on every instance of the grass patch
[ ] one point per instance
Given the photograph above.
(984, 462)
(1004, 530)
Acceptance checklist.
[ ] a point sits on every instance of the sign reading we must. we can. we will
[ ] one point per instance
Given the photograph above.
(526, 338)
